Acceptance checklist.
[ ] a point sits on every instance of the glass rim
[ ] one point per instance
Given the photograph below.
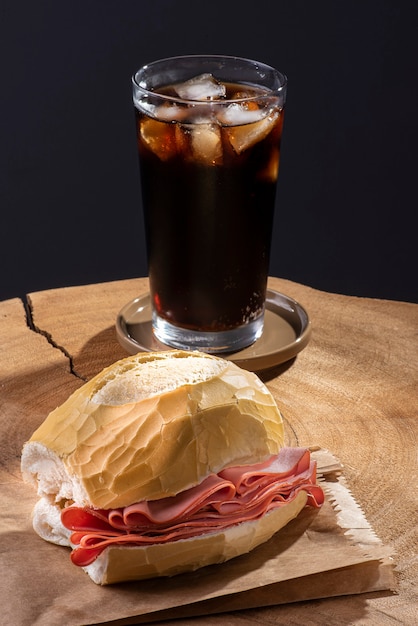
(257, 65)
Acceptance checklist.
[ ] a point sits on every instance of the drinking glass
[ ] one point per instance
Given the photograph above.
(209, 131)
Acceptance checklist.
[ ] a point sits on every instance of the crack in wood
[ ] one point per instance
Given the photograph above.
(32, 326)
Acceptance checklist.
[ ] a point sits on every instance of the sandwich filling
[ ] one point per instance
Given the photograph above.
(234, 495)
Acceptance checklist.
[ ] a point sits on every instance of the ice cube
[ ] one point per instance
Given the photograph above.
(206, 143)
(271, 170)
(144, 106)
(236, 114)
(247, 135)
(158, 137)
(168, 113)
(202, 87)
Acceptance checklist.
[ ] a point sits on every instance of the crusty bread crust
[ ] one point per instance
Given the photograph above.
(151, 426)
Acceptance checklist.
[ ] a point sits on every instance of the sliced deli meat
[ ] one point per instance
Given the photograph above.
(235, 495)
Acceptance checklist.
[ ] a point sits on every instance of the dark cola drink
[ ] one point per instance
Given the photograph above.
(209, 158)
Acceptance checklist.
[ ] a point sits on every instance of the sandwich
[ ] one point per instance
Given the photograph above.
(163, 463)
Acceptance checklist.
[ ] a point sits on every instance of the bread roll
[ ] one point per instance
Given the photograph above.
(146, 428)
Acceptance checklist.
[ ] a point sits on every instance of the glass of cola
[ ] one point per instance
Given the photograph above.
(209, 131)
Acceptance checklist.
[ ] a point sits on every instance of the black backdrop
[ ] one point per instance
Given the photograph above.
(69, 184)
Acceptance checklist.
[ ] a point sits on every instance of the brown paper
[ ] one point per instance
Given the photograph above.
(321, 554)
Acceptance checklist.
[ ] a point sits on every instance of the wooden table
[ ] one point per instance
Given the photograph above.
(353, 390)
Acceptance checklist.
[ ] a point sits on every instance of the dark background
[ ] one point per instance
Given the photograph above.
(69, 183)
